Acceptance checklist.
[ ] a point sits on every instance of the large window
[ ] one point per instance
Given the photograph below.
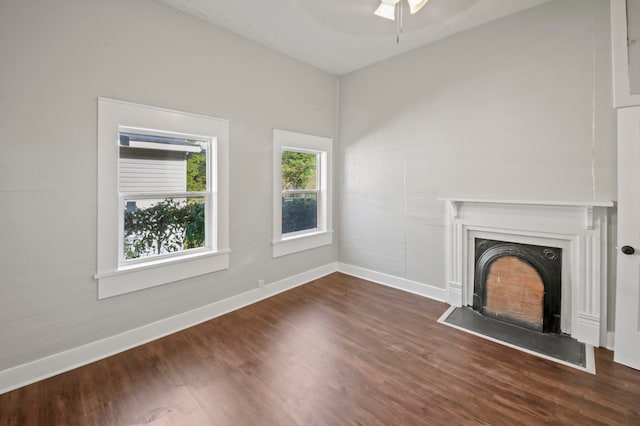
(162, 196)
(302, 177)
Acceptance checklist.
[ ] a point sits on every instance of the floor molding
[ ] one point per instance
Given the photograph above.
(25, 374)
(425, 290)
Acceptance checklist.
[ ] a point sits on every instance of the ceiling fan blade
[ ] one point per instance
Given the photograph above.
(416, 5)
(387, 11)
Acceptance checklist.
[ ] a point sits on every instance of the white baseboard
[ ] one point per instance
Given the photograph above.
(432, 292)
(454, 293)
(587, 329)
(22, 375)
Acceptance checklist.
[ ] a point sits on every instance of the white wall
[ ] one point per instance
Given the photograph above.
(56, 59)
(520, 108)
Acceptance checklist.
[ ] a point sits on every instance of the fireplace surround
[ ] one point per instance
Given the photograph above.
(577, 229)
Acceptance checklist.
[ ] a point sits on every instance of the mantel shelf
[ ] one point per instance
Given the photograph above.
(529, 202)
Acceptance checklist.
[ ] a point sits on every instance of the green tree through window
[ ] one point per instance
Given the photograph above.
(197, 172)
(298, 170)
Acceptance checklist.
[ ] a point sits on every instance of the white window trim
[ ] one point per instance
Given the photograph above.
(115, 278)
(323, 234)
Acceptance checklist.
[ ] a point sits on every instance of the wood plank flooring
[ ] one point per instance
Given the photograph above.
(337, 351)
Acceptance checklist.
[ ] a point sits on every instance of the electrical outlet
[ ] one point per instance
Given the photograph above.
(260, 283)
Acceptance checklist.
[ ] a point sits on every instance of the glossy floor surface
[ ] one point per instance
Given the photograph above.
(339, 350)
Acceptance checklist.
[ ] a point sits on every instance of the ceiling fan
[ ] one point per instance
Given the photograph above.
(387, 8)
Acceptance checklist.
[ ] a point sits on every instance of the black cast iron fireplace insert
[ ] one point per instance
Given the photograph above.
(546, 261)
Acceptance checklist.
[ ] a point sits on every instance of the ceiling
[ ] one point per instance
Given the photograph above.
(340, 36)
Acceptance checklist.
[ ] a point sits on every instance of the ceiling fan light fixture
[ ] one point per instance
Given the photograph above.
(387, 9)
(416, 5)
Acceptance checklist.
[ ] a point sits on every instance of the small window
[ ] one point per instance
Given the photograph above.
(162, 196)
(302, 213)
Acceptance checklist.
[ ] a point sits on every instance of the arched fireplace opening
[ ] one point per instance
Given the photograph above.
(520, 284)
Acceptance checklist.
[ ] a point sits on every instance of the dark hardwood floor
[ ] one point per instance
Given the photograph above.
(339, 350)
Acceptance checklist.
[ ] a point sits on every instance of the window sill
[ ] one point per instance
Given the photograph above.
(138, 277)
(302, 242)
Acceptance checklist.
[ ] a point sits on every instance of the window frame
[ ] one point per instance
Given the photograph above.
(293, 242)
(114, 276)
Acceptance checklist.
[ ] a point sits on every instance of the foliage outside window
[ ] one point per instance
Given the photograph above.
(165, 227)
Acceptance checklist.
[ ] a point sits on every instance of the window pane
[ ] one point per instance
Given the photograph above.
(299, 170)
(157, 227)
(159, 164)
(299, 212)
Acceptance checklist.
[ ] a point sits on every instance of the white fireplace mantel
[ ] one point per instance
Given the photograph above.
(586, 206)
(579, 228)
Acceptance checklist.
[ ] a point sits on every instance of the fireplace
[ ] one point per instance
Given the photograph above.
(488, 238)
(519, 284)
